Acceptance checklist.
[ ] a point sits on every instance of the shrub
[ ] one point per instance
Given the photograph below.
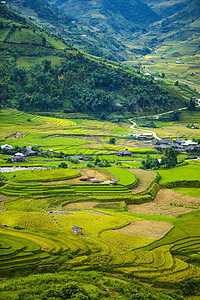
(63, 165)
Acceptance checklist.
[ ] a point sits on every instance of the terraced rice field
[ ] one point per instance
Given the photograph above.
(154, 208)
(188, 172)
(39, 209)
(168, 197)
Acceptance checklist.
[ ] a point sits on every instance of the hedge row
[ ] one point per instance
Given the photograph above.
(183, 183)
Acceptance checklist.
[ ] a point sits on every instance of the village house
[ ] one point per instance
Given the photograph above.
(77, 230)
(124, 153)
(189, 143)
(7, 147)
(29, 151)
(18, 157)
(179, 144)
(145, 135)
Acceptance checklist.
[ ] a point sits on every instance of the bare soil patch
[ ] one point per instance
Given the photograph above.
(81, 205)
(4, 197)
(95, 175)
(2, 208)
(17, 135)
(158, 209)
(144, 178)
(167, 196)
(147, 228)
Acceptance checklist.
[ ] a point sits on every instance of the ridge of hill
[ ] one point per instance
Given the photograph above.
(15, 29)
(165, 8)
(174, 44)
(109, 16)
(85, 38)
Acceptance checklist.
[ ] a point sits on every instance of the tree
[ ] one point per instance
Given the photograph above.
(150, 163)
(191, 105)
(163, 75)
(112, 141)
(170, 157)
(97, 161)
(63, 165)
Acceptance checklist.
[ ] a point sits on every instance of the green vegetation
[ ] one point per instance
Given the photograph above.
(72, 217)
(183, 173)
(50, 175)
(124, 176)
(195, 192)
(40, 212)
(83, 285)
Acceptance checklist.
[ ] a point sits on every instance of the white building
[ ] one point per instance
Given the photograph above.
(7, 147)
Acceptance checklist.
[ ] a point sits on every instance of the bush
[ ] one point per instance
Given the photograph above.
(63, 165)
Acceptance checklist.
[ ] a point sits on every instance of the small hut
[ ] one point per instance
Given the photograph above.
(77, 230)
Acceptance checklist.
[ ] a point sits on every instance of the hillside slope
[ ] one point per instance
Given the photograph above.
(108, 16)
(165, 8)
(40, 72)
(174, 43)
(15, 29)
(86, 38)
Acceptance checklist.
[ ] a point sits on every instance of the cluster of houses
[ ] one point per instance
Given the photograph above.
(142, 136)
(19, 156)
(181, 145)
(124, 153)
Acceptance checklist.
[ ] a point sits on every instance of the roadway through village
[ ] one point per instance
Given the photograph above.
(134, 124)
(143, 130)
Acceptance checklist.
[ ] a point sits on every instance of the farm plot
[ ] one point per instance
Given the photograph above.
(187, 173)
(158, 264)
(47, 141)
(92, 222)
(27, 220)
(124, 176)
(194, 192)
(56, 121)
(79, 192)
(29, 190)
(184, 237)
(147, 228)
(168, 197)
(144, 179)
(20, 249)
(154, 208)
(48, 175)
(119, 241)
(14, 117)
(88, 176)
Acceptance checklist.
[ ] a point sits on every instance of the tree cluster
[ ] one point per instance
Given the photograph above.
(81, 84)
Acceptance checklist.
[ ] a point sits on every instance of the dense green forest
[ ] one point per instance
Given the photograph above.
(40, 72)
(81, 84)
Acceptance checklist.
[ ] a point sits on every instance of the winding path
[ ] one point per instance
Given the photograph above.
(152, 132)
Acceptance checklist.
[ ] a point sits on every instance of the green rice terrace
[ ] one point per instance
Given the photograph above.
(80, 217)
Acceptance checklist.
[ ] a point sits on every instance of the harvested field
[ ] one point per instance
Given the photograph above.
(158, 209)
(147, 228)
(144, 178)
(94, 174)
(81, 205)
(2, 208)
(4, 197)
(167, 196)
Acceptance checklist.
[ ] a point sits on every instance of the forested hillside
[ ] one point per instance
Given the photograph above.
(41, 72)
(63, 23)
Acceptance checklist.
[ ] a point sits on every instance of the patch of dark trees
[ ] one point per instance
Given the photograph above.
(81, 85)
